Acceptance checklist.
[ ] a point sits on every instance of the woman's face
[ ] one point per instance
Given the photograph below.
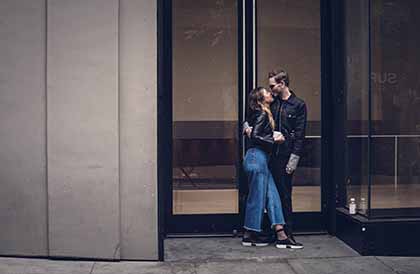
(268, 97)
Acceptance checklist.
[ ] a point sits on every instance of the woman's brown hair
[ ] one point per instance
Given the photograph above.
(256, 102)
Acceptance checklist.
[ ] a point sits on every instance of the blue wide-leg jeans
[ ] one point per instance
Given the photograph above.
(262, 191)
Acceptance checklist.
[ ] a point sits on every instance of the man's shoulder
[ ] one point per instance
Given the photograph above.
(298, 100)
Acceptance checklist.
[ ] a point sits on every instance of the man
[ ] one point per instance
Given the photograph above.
(290, 116)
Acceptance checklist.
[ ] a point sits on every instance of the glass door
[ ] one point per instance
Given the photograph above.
(288, 36)
(205, 115)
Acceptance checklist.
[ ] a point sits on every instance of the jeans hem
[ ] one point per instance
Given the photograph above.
(252, 229)
(274, 224)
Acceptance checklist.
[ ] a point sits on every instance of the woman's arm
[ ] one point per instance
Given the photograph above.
(261, 122)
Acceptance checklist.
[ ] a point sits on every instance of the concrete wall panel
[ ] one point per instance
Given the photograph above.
(23, 200)
(138, 129)
(83, 153)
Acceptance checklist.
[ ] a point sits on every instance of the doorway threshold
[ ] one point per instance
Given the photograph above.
(233, 235)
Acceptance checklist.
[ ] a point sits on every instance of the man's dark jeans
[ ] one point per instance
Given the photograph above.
(284, 186)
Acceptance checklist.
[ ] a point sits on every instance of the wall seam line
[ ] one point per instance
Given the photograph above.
(119, 125)
(46, 130)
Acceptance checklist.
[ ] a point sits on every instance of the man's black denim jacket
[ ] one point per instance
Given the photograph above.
(290, 116)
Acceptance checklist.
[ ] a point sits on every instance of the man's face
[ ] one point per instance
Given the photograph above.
(275, 87)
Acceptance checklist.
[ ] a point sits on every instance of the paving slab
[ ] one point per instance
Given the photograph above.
(349, 265)
(143, 268)
(37, 266)
(402, 265)
(244, 267)
(228, 267)
(219, 249)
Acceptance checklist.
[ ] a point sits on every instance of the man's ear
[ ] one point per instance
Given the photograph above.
(282, 83)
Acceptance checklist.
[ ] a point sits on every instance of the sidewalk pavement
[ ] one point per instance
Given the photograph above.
(321, 255)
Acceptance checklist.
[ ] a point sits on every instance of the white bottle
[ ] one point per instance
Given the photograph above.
(352, 206)
(363, 206)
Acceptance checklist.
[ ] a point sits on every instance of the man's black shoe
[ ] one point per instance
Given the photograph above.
(288, 243)
(255, 239)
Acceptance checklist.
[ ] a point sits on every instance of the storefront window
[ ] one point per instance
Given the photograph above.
(205, 107)
(356, 25)
(395, 107)
(383, 98)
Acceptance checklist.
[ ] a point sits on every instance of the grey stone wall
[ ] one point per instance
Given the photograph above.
(78, 128)
(23, 187)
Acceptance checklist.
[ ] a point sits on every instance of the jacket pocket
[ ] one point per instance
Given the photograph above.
(291, 119)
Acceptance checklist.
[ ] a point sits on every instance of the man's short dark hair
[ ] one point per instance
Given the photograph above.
(279, 75)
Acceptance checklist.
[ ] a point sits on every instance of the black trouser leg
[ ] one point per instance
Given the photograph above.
(284, 186)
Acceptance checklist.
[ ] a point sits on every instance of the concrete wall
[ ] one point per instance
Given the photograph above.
(138, 129)
(23, 187)
(83, 180)
(77, 102)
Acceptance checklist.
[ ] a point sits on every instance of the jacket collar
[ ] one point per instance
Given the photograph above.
(291, 100)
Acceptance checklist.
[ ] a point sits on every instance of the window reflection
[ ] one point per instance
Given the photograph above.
(205, 107)
(356, 24)
(395, 101)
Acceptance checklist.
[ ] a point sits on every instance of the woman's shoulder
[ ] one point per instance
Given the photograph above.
(258, 112)
(257, 116)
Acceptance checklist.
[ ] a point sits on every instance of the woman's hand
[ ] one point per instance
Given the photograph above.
(248, 131)
(278, 137)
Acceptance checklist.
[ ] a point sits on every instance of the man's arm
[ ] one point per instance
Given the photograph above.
(299, 141)
(299, 131)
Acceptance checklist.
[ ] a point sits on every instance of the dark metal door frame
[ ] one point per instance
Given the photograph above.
(330, 84)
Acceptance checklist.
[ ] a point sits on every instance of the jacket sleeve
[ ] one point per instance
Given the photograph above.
(301, 117)
(261, 121)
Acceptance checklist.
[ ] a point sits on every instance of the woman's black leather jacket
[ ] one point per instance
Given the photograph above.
(262, 132)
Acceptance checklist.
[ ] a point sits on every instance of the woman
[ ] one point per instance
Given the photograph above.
(262, 189)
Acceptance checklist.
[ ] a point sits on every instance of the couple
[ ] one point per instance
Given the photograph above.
(276, 131)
